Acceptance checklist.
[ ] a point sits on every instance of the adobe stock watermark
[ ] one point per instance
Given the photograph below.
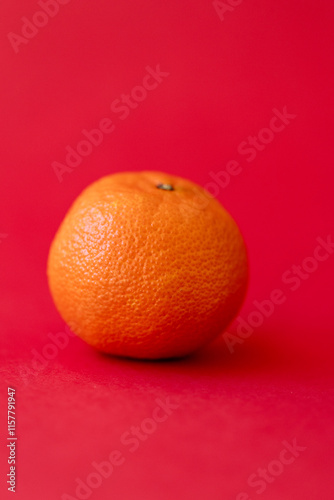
(130, 441)
(227, 6)
(248, 148)
(30, 27)
(291, 278)
(263, 477)
(121, 108)
(40, 360)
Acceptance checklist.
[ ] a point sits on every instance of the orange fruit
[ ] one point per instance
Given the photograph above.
(147, 265)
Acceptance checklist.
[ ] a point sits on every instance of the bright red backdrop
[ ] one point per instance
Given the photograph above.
(225, 78)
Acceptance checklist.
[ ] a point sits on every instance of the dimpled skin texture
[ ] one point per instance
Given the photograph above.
(144, 272)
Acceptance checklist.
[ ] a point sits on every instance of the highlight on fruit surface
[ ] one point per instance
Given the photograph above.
(147, 265)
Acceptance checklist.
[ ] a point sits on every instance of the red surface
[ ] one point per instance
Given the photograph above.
(237, 412)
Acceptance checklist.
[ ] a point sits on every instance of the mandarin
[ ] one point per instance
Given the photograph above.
(147, 265)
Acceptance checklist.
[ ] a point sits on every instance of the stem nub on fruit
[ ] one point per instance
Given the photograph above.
(166, 187)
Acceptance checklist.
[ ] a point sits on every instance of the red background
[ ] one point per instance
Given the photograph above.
(225, 78)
